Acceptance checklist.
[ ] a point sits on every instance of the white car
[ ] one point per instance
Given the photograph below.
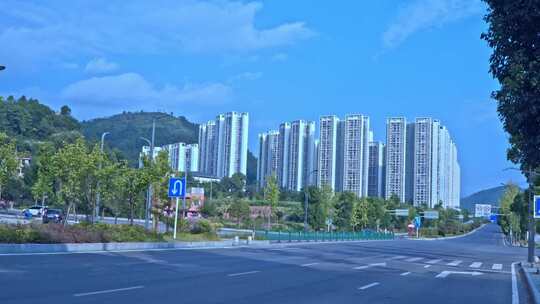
(36, 210)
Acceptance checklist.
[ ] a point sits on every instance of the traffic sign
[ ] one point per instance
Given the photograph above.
(482, 210)
(537, 206)
(177, 187)
(417, 222)
(402, 212)
(432, 215)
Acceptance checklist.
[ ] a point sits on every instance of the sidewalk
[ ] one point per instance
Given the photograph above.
(532, 279)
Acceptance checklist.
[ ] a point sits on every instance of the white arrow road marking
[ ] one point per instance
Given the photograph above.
(476, 265)
(446, 273)
(433, 261)
(370, 265)
(454, 263)
(497, 267)
(405, 273)
(413, 259)
(368, 286)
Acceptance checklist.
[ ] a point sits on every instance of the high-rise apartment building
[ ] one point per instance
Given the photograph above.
(183, 157)
(426, 160)
(268, 161)
(376, 178)
(353, 158)
(292, 151)
(328, 152)
(224, 145)
(396, 147)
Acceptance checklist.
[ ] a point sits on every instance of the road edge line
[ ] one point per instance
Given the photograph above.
(533, 291)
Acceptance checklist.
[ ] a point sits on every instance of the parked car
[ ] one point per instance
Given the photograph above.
(53, 215)
(35, 210)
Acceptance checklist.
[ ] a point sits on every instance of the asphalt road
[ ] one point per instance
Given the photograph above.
(472, 269)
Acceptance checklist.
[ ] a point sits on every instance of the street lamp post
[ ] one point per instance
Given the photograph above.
(532, 222)
(306, 194)
(98, 196)
(149, 192)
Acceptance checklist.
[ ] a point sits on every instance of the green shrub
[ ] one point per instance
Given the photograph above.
(203, 226)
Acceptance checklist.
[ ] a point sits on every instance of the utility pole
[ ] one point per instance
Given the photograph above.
(98, 196)
(532, 223)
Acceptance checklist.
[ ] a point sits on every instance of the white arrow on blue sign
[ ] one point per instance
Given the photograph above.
(177, 187)
(537, 206)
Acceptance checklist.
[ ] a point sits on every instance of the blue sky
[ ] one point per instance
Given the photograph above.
(278, 60)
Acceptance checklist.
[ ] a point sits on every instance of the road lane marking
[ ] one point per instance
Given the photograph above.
(446, 273)
(476, 265)
(368, 286)
(427, 266)
(370, 265)
(309, 264)
(433, 261)
(515, 294)
(397, 257)
(405, 273)
(413, 259)
(84, 294)
(454, 263)
(242, 273)
(497, 267)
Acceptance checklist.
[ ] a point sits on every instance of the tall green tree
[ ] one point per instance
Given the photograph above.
(360, 215)
(344, 209)
(272, 195)
(514, 36)
(44, 184)
(8, 160)
(239, 210)
(506, 201)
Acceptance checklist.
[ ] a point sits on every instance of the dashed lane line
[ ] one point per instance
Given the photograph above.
(433, 261)
(368, 286)
(242, 273)
(497, 267)
(84, 294)
(476, 265)
(405, 273)
(413, 259)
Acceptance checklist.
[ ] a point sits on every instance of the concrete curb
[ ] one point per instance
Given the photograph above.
(449, 237)
(533, 291)
(107, 247)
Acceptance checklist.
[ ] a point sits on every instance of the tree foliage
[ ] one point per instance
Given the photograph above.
(514, 36)
(8, 160)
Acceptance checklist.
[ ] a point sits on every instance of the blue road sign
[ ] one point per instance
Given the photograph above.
(493, 218)
(417, 222)
(177, 187)
(537, 206)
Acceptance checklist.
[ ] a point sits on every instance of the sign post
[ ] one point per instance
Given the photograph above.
(177, 189)
(417, 224)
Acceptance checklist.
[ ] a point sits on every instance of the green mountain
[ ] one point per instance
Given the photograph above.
(488, 196)
(126, 130)
(27, 120)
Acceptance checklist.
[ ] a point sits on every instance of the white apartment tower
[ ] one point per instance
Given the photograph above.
(376, 173)
(268, 162)
(426, 162)
(396, 136)
(183, 157)
(355, 155)
(328, 152)
(225, 148)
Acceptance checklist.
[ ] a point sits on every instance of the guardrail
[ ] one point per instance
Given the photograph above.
(297, 236)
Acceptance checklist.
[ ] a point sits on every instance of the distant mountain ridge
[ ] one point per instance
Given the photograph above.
(490, 196)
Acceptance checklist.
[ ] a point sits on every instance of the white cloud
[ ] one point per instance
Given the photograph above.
(58, 29)
(100, 66)
(246, 76)
(419, 15)
(280, 57)
(131, 92)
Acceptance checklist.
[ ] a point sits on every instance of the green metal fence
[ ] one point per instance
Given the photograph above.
(296, 236)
